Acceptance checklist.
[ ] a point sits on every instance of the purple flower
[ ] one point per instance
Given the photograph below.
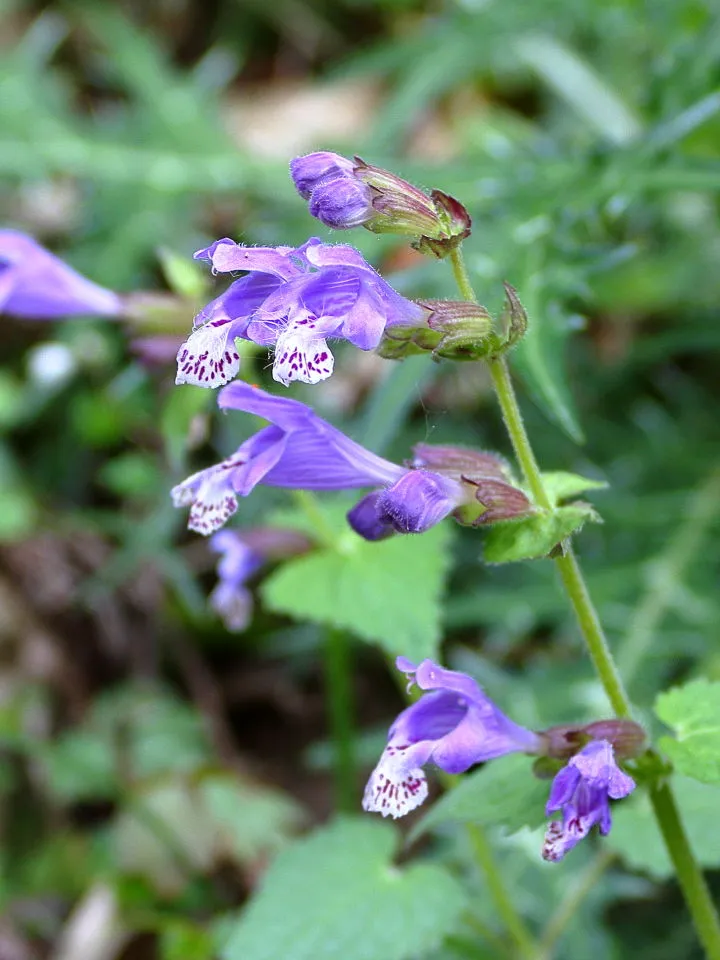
(35, 283)
(292, 299)
(238, 562)
(242, 553)
(302, 451)
(454, 726)
(581, 791)
(337, 198)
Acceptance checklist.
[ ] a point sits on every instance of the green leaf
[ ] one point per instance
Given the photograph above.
(535, 536)
(183, 275)
(636, 837)
(337, 893)
(179, 418)
(387, 593)
(561, 485)
(502, 793)
(693, 711)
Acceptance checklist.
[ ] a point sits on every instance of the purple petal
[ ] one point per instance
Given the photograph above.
(430, 676)
(308, 171)
(430, 718)
(418, 501)
(36, 283)
(227, 256)
(241, 299)
(237, 561)
(364, 520)
(341, 203)
(337, 255)
(562, 789)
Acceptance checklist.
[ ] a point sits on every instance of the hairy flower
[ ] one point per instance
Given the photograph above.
(299, 450)
(582, 791)
(454, 726)
(292, 299)
(35, 283)
(302, 451)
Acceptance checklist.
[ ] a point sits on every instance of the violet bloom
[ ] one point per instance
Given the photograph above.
(582, 791)
(302, 451)
(242, 554)
(231, 599)
(292, 299)
(35, 283)
(454, 726)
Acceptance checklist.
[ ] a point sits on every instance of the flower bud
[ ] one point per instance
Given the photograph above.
(626, 737)
(314, 168)
(341, 203)
(348, 193)
(454, 330)
(365, 520)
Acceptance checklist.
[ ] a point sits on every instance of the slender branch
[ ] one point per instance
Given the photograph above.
(666, 572)
(692, 883)
(568, 907)
(514, 923)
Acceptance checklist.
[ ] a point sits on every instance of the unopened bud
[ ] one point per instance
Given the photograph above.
(564, 741)
(345, 193)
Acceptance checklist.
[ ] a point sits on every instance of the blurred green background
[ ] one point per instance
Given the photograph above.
(150, 762)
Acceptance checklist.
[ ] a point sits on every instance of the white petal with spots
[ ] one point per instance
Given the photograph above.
(208, 357)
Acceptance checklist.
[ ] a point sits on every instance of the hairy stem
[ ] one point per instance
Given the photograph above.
(690, 877)
(513, 922)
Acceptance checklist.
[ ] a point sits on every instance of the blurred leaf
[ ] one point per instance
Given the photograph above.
(534, 537)
(387, 593)
(129, 733)
(574, 79)
(693, 712)
(183, 275)
(560, 485)
(339, 895)
(501, 793)
(636, 838)
(179, 413)
(183, 940)
(177, 827)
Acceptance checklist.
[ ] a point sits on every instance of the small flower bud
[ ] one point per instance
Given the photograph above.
(626, 737)
(348, 193)
(308, 171)
(365, 521)
(341, 203)
(418, 500)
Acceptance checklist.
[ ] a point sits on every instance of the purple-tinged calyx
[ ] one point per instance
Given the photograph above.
(581, 792)
(35, 283)
(292, 299)
(491, 494)
(626, 737)
(242, 554)
(454, 726)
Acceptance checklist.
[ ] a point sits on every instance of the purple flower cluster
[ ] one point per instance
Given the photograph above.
(455, 725)
(292, 299)
(35, 283)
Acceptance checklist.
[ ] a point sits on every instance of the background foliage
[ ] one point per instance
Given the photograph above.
(151, 764)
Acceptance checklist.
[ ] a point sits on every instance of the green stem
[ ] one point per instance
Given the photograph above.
(569, 906)
(692, 882)
(504, 905)
(338, 692)
(591, 628)
(666, 572)
(689, 874)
